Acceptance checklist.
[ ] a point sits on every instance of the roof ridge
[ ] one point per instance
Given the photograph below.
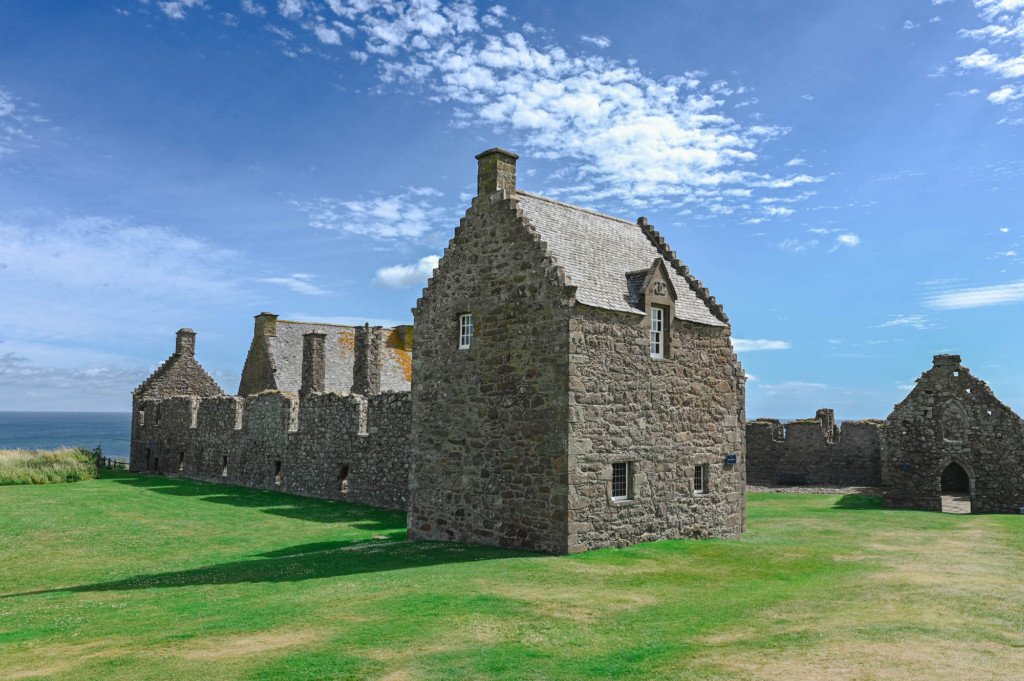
(575, 207)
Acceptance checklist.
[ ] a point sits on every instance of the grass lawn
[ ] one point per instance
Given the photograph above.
(142, 577)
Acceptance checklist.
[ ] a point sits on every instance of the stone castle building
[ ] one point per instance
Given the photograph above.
(573, 387)
(949, 435)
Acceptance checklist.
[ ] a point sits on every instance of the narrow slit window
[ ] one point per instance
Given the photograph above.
(224, 467)
(622, 482)
(657, 331)
(156, 464)
(700, 479)
(181, 462)
(465, 331)
(277, 472)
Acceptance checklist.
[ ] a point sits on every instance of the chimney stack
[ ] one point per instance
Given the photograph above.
(313, 366)
(946, 360)
(366, 369)
(266, 324)
(186, 343)
(496, 171)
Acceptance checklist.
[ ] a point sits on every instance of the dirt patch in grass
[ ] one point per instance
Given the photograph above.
(228, 647)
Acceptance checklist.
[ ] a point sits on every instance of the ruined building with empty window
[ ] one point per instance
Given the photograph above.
(572, 387)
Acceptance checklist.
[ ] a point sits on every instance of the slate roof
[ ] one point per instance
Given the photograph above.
(598, 252)
(339, 357)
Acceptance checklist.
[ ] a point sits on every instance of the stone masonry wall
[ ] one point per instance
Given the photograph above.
(953, 417)
(664, 417)
(490, 422)
(814, 451)
(326, 445)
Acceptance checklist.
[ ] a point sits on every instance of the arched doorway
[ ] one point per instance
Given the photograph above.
(955, 485)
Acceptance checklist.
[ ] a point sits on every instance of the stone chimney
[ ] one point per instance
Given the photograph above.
(266, 324)
(946, 360)
(366, 369)
(496, 171)
(186, 343)
(313, 365)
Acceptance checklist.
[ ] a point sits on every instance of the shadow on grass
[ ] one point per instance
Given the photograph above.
(857, 502)
(319, 560)
(273, 503)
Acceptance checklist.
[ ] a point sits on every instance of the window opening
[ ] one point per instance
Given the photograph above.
(142, 416)
(224, 467)
(622, 481)
(465, 331)
(700, 478)
(657, 331)
(277, 472)
(343, 480)
(156, 464)
(181, 462)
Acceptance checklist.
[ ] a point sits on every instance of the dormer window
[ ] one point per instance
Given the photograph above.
(658, 315)
(465, 331)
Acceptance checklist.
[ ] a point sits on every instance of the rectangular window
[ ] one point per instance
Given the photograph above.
(277, 472)
(622, 481)
(657, 331)
(700, 478)
(224, 470)
(465, 331)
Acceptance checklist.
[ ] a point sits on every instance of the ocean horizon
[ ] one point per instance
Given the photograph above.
(53, 429)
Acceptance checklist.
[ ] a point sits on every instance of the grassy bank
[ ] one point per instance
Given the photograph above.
(144, 577)
(26, 467)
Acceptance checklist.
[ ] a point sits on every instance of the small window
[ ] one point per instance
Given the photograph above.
(142, 415)
(181, 461)
(277, 472)
(465, 331)
(622, 481)
(700, 479)
(343, 481)
(224, 467)
(156, 464)
(657, 331)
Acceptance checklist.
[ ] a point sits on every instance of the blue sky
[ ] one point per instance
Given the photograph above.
(845, 177)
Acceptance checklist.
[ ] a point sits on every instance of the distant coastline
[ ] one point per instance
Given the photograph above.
(53, 429)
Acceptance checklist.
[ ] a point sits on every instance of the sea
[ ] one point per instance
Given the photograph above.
(51, 429)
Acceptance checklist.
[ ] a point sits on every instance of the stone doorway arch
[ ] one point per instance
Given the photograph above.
(956, 488)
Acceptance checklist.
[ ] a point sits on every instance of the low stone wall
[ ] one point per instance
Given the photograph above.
(326, 445)
(814, 451)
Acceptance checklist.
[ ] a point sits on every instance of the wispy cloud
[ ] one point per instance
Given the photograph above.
(915, 321)
(299, 283)
(87, 278)
(845, 240)
(400, 276)
(408, 215)
(979, 296)
(629, 136)
(15, 123)
(177, 8)
(598, 40)
(745, 345)
(790, 388)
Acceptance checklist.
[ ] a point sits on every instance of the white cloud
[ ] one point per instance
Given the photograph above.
(400, 276)
(940, 2)
(631, 136)
(598, 40)
(789, 388)
(796, 245)
(328, 36)
(25, 384)
(979, 296)
(909, 25)
(745, 345)
(176, 9)
(250, 7)
(1004, 229)
(915, 321)
(796, 162)
(778, 211)
(403, 216)
(849, 240)
(1004, 34)
(298, 283)
(15, 123)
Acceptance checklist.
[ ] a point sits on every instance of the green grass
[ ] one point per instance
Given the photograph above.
(144, 577)
(26, 467)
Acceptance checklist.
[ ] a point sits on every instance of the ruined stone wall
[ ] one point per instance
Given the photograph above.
(661, 416)
(953, 417)
(326, 445)
(489, 422)
(814, 451)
